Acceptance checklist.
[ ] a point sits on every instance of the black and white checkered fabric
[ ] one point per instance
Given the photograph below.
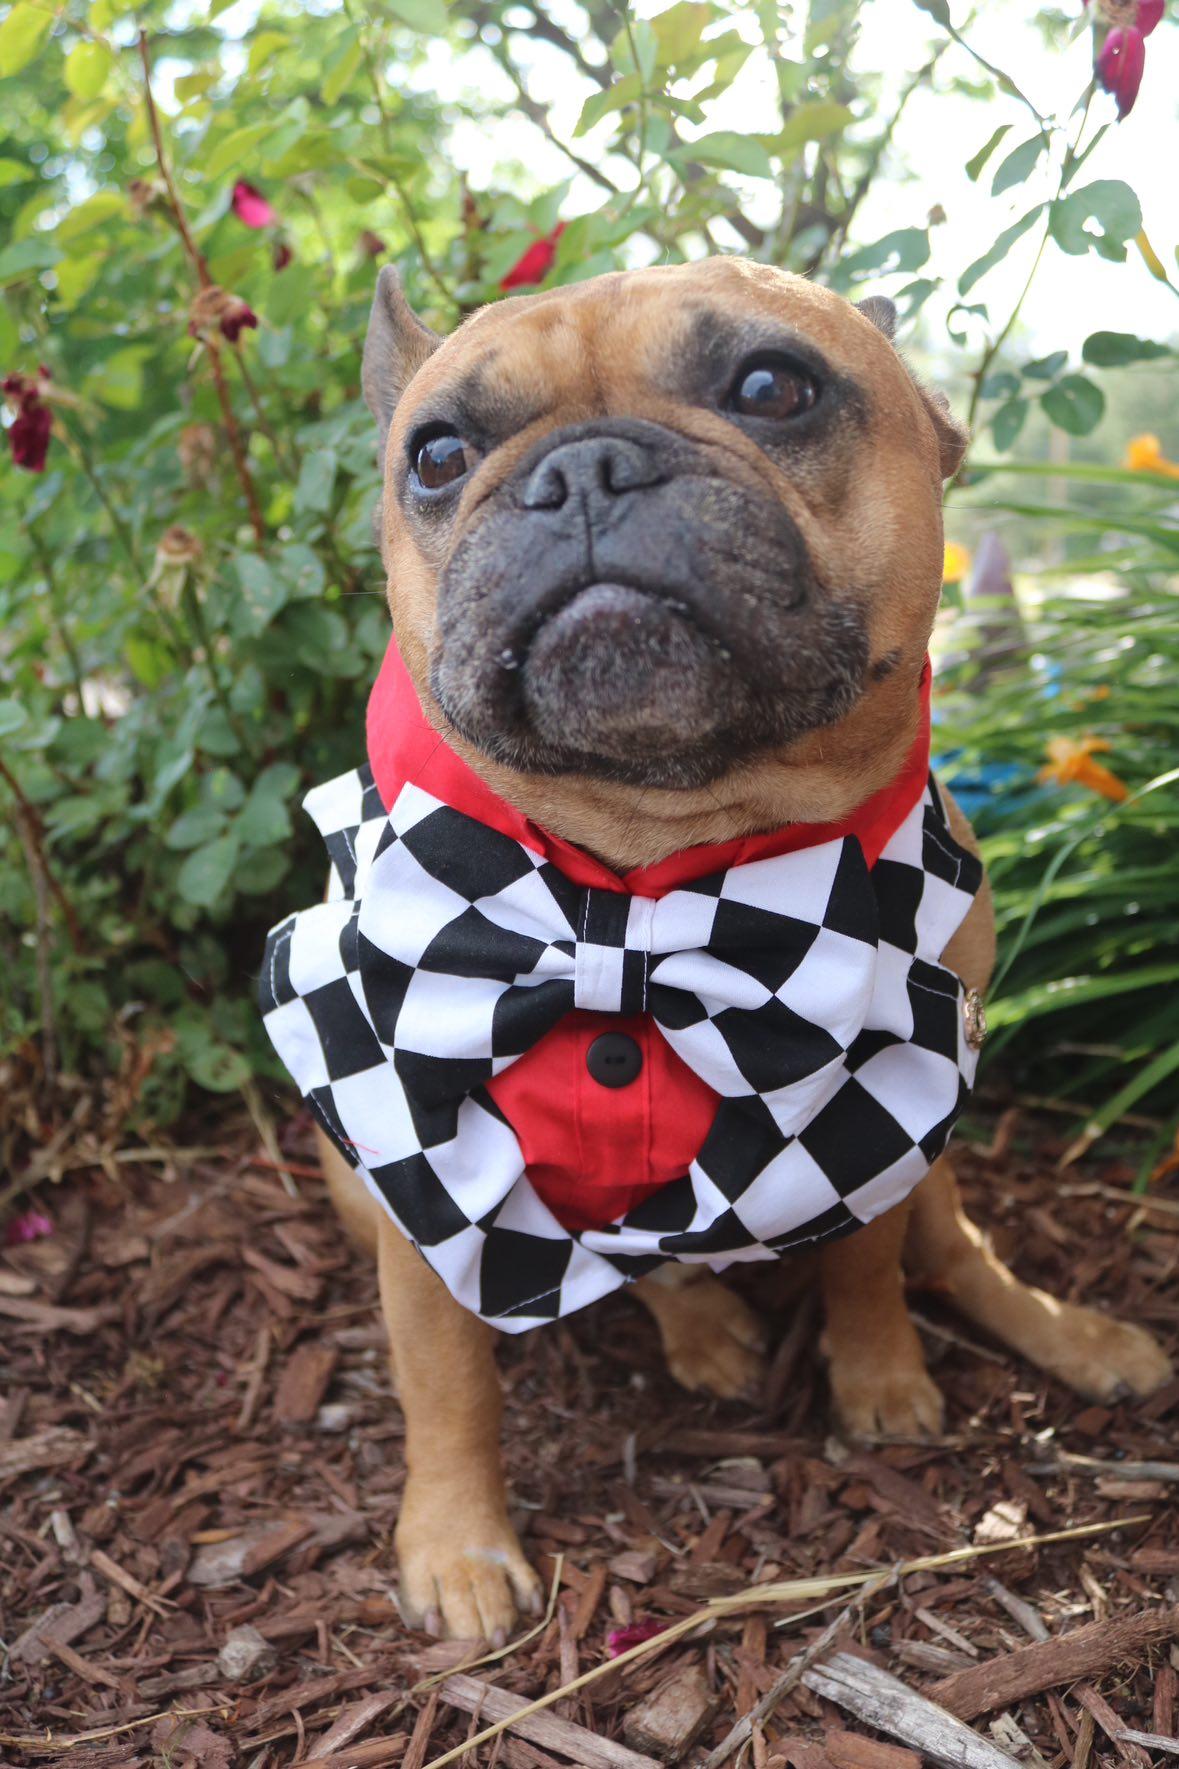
(806, 990)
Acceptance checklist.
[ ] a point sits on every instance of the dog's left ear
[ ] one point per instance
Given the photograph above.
(397, 345)
(952, 437)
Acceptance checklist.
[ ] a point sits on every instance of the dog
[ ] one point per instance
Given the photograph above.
(664, 550)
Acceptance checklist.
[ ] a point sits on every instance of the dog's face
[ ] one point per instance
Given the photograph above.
(652, 527)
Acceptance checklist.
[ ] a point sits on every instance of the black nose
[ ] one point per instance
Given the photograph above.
(594, 467)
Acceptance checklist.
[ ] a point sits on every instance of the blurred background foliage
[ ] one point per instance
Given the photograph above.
(193, 205)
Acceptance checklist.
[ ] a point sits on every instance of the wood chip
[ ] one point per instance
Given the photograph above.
(587, 1749)
(304, 1381)
(1086, 1652)
(891, 1706)
(668, 1722)
(54, 1448)
(1103, 1714)
(851, 1750)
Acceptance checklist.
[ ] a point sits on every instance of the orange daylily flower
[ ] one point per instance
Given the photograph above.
(1070, 762)
(1144, 454)
(957, 563)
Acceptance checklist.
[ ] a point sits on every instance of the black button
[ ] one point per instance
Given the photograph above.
(614, 1059)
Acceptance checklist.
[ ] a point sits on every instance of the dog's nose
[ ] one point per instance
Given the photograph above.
(591, 468)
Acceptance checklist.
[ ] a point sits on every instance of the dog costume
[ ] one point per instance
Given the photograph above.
(555, 1079)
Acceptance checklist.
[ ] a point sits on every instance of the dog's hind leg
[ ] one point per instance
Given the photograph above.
(879, 1382)
(462, 1570)
(712, 1340)
(1099, 1358)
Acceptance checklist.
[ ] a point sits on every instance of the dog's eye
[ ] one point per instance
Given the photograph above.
(439, 460)
(771, 387)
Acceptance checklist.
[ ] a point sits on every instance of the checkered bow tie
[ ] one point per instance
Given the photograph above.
(806, 989)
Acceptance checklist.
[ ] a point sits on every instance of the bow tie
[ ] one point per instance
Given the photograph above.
(471, 947)
(805, 989)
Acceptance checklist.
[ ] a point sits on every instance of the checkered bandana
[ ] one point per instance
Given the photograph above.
(805, 989)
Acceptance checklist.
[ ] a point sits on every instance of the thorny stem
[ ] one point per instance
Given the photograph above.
(196, 614)
(204, 280)
(60, 625)
(374, 75)
(290, 464)
(536, 113)
(30, 819)
(641, 149)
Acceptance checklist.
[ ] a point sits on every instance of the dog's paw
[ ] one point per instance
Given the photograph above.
(1103, 1359)
(886, 1392)
(463, 1574)
(713, 1342)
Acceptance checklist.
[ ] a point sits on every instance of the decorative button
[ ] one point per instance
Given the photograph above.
(614, 1059)
(975, 1015)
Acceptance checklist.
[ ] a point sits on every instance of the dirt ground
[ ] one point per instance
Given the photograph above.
(198, 1436)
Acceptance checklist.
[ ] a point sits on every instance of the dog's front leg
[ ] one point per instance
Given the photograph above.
(712, 1341)
(879, 1382)
(462, 1571)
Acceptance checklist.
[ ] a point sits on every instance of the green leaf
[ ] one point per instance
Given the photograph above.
(235, 149)
(21, 37)
(263, 46)
(342, 64)
(25, 258)
(937, 9)
(265, 818)
(1019, 162)
(317, 476)
(86, 68)
(1112, 350)
(1074, 404)
(1045, 368)
(728, 150)
(976, 163)
(428, 16)
(261, 870)
(1008, 422)
(100, 208)
(205, 873)
(995, 254)
(13, 717)
(1109, 203)
(678, 30)
(600, 104)
(1000, 385)
(14, 172)
(812, 122)
(907, 248)
(264, 592)
(215, 1066)
(192, 829)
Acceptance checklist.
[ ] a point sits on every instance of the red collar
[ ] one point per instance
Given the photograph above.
(404, 747)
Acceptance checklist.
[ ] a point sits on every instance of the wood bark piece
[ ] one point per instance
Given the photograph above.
(1105, 1717)
(52, 1448)
(1086, 1652)
(375, 1753)
(304, 1382)
(883, 1701)
(851, 1750)
(668, 1722)
(473, 1696)
(61, 1622)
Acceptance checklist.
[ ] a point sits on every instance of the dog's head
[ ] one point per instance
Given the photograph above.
(653, 527)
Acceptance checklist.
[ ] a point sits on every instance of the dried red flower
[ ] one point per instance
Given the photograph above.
(229, 313)
(620, 1640)
(31, 429)
(536, 262)
(282, 255)
(251, 207)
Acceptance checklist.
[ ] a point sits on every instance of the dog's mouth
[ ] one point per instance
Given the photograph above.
(625, 663)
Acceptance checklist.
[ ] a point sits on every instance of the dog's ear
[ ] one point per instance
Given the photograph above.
(880, 312)
(397, 345)
(952, 437)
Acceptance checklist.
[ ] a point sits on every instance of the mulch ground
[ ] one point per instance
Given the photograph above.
(198, 1437)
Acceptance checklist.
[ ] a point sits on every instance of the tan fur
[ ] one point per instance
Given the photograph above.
(875, 520)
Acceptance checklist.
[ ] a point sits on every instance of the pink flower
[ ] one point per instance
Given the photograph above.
(620, 1640)
(34, 1225)
(1120, 65)
(536, 262)
(251, 207)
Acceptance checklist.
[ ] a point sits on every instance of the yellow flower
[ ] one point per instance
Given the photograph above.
(957, 563)
(1144, 454)
(1071, 762)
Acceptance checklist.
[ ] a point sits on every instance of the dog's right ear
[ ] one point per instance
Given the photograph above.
(396, 346)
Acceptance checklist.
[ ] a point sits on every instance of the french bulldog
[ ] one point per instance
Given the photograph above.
(664, 550)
